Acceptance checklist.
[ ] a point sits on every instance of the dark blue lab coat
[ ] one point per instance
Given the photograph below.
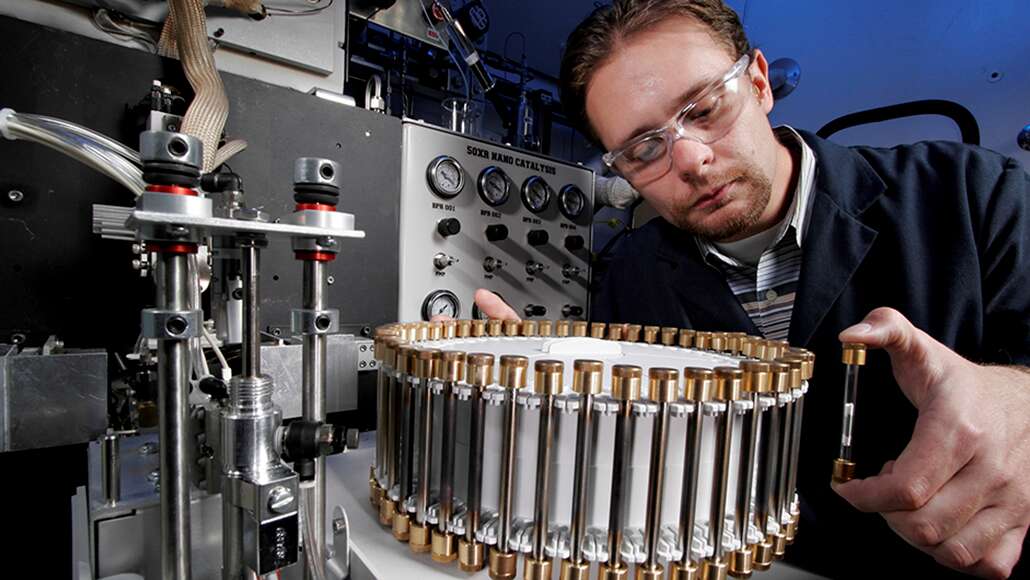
(939, 231)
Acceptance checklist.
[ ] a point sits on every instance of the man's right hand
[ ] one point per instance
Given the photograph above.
(493, 306)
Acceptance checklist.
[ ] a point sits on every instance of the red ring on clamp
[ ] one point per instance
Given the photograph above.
(315, 256)
(314, 206)
(174, 189)
(171, 248)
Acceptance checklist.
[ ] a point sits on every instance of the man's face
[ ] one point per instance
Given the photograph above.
(717, 190)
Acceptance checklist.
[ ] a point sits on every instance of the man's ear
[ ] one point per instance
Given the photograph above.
(759, 75)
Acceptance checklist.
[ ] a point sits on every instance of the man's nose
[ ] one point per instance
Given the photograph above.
(691, 157)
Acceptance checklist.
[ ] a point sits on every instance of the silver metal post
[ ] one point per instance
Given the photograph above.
(251, 312)
(577, 528)
(545, 435)
(173, 409)
(111, 480)
(656, 482)
(313, 400)
(507, 471)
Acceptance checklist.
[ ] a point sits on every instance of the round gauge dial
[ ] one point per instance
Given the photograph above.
(494, 186)
(441, 303)
(571, 202)
(446, 177)
(479, 314)
(536, 194)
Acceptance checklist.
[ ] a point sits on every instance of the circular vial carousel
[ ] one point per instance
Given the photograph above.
(588, 447)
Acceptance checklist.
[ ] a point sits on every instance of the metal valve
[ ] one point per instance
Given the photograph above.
(491, 264)
(443, 261)
(534, 268)
(570, 271)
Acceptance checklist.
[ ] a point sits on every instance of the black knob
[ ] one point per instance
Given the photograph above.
(214, 387)
(537, 237)
(497, 232)
(448, 227)
(574, 243)
(570, 310)
(535, 310)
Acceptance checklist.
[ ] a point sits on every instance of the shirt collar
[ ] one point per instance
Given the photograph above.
(796, 219)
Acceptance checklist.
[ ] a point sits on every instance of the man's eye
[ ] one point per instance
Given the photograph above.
(647, 151)
(705, 111)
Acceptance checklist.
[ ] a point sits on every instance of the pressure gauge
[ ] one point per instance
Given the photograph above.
(446, 177)
(571, 202)
(441, 302)
(536, 194)
(494, 186)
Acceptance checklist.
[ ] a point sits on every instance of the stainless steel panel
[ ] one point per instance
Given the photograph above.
(283, 364)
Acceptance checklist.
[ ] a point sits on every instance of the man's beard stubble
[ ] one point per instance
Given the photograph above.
(751, 186)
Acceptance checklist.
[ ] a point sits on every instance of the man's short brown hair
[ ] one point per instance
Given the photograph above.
(596, 38)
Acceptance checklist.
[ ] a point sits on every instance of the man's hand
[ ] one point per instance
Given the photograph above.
(960, 491)
(491, 305)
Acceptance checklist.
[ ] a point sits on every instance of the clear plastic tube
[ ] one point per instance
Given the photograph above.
(313, 558)
(101, 139)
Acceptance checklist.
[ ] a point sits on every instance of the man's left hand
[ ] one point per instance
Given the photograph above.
(960, 491)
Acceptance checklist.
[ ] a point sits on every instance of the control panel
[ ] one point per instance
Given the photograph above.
(476, 214)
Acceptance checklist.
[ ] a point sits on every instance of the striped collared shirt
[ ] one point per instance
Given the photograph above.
(764, 278)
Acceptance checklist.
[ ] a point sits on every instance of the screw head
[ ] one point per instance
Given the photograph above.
(330, 280)
(280, 499)
(16, 195)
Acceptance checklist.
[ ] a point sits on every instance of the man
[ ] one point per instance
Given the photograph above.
(922, 251)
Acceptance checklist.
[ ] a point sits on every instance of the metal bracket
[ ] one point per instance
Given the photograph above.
(170, 324)
(315, 322)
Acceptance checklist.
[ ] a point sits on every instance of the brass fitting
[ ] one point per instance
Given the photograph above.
(445, 548)
(615, 332)
(718, 343)
(464, 328)
(843, 470)
(528, 328)
(493, 327)
(699, 384)
(579, 328)
(450, 328)
(480, 369)
(435, 330)
(713, 570)
(669, 335)
(502, 564)
(424, 362)
(387, 511)
(597, 330)
(680, 571)
(626, 381)
(729, 383)
(650, 334)
(536, 569)
(422, 332)
(401, 526)
(478, 328)
(562, 328)
(513, 371)
(663, 385)
(645, 572)
(471, 555)
(763, 554)
(587, 376)
(741, 563)
(686, 337)
(572, 571)
(452, 367)
(420, 538)
(606, 572)
(702, 340)
(853, 354)
(547, 378)
(779, 544)
(510, 327)
(545, 327)
(632, 333)
(757, 378)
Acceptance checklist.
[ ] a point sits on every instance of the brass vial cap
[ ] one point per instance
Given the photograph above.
(797, 368)
(615, 332)
(680, 571)
(513, 371)
(480, 369)
(791, 531)
(757, 347)
(669, 335)
(510, 327)
(729, 382)
(547, 377)
(387, 509)
(493, 327)
(780, 376)
(579, 328)
(843, 470)
(607, 572)
(420, 538)
(445, 547)
(450, 328)
(471, 555)
(588, 375)
(426, 362)
(452, 367)
(645, 572)
(546, 327)
(686, 337)
(632, 333)
(779, 545)
(502, 564)
(763, 555)
(528, 328)
(757, 376)
(698, 384)
(742, 563)
(713, 570)
(562, 328)
(435, 330)
(718, 342)
(597, 330)
(423, 331)
(663, 385)
(536, 569)
(401, 526)
(809, 358)
(853, 354)
(404, 358)
(650, 334)
(464, 328)
(478, 328)
(702, 340)
(626, 380)
(573, 571)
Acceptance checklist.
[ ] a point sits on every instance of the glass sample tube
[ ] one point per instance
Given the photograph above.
(513, 377)
(479, 375)
(426, 362)
(626, 381)
(698, 387)
(728, 383)
(853, 357)
(663, 387)
(586, 382)
(547, 382)
(451, 372)
(406, 457)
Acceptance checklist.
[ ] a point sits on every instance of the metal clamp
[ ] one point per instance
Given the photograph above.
(315, 321)
(170, 324)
